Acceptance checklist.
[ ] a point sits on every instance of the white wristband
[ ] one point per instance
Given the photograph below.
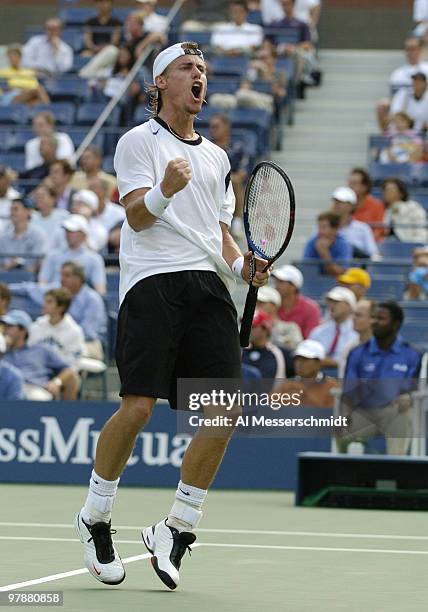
(155, 202)
(237, 266)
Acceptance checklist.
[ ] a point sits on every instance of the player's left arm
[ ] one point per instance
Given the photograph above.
(231, 252)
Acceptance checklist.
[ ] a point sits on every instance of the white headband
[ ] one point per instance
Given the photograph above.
(168, 55)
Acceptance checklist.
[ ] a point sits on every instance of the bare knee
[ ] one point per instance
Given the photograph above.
(137, 409)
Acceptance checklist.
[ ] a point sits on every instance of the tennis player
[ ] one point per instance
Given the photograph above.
(176, 319)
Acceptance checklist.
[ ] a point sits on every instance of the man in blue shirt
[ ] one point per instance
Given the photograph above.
(379, 377)
(11, 383)
(76, 232)
(40, 365)
(332, 249)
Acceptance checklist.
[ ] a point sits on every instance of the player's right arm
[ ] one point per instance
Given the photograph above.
(177, 175)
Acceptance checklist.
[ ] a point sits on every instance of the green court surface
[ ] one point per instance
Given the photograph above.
(257, 552)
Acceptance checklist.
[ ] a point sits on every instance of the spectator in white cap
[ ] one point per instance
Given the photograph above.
(285, 334)
(308, 359)
(337, 331)
(295, 307)
(85, 203)
(76, 233)
(357, 233)
(110, 215)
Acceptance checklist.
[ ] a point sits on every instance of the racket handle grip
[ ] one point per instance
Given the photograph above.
(247, 317)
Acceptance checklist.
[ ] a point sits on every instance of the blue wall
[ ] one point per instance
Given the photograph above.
(54, 442)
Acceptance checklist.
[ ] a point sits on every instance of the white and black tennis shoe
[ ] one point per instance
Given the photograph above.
(101, 557)
(167, 546)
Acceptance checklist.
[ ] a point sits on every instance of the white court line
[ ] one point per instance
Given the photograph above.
(320, 534)
(53, 577)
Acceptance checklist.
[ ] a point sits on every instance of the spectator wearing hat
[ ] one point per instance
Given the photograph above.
(357, 233)
(76, 233)
(285, 334)
(338, 330)
(85, 203)
(44, 125)
(11, 382)
(21, 244)
(57, 328)
(308, 359)
(47, 53)
(363, 324)
(413, 102)
(41, 366)
(332, 249)
(357, 280)
(7, 194)
(379, 377)
(295, 307)
(46, 216)
(273, 362)
(102, 29)
(368, 209)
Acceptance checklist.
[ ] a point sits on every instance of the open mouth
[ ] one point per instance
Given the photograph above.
(197, 91)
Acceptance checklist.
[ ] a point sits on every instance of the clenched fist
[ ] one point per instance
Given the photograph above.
(177, 174)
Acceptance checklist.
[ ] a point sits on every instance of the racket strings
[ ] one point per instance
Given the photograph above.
(268, 209)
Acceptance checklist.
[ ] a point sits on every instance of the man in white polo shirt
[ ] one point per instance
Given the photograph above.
(176, 318)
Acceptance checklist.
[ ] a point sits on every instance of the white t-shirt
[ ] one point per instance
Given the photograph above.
(231, 36)
(405, 101)
(67, 336)
(420, 10)
(65, 150)
(272, 10)
(188, 235)
(402, 76)
(112, 215)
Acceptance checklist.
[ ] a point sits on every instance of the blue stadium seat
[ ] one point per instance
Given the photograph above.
(77, 137)
(112, 281)
(203, 38)
(14, 142)
(141, 114)
(76, 16)
(16, 161)
(384, 268)
(206, 113)
(108, 164)
(88, 113)
(67, 89)
(110, 140)
(379, 171)
(223, 86)
(262, 86)
(317, 287)
(79, 62)
(63, 112)
(386, 288)
(395, 248)
(25, 303)
(255, 17)
(255, 119)
(16, 114)
(229, 66)
(376, 143)
(16, 276)
(74, 38)
(123, 12)
(415, 311)
(284, 35)
(416, 334)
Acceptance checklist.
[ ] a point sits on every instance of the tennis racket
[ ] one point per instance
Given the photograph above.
(269, 209)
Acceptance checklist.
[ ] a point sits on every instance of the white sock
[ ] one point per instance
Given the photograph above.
(186, 511)
(100, 500)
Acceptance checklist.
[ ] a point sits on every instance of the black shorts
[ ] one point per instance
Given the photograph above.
(176, 325)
